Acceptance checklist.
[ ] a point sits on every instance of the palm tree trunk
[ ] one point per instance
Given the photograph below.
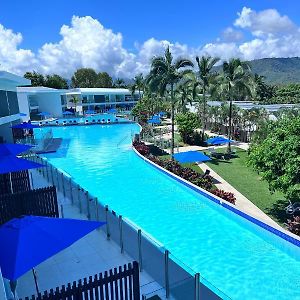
(172, 121)
(230, 125)
(204, 113)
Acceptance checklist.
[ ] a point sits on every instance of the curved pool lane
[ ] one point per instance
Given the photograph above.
(239, 258)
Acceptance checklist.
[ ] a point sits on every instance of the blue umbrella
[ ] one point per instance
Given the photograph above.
(67, 112)
(113, 111)
(190, 157)
(90, 112)
(25, 126)
(10, 163)
(154, 121)
(218, 140)
(22, 114)
(44, 114)
(162, 113)
(12, 149)
(30, 240)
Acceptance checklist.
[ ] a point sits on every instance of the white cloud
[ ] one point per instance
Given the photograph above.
(232, 35)
(85, 42)
(265, 22)
(12, 58)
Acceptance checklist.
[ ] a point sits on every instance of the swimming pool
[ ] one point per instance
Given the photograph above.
(241, 259)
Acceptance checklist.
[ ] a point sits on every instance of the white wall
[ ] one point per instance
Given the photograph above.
(24, 106)
(50, 102)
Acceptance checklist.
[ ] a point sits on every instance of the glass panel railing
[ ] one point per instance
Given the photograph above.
(130, 239)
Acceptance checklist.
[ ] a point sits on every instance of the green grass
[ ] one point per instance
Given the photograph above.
(249, 183)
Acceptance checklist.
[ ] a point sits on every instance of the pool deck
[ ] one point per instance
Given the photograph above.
(90, 255)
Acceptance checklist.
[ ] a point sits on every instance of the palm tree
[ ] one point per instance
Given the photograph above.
(184, 95)
(138, 85)
(119, 83)
(235, 81)
(164, 76)
(204, 78)
(75, 100)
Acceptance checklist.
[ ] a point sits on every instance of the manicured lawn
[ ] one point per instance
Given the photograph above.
(250, 184)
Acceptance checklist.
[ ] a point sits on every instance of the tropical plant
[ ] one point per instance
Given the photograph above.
(204, 79)
(36, 78)
(56, 82)
(276, 156)
(119, 83)
(235, 82)
(165, 74)
(187, 123)
(75, 100)
(138, 85)
(183, 95)
(104, 80)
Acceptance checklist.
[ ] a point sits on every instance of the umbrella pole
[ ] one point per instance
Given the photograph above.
(35, 281)
(11, 185)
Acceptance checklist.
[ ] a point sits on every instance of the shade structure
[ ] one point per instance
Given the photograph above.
(218, 140)
(22, 114)
(113, 110)
(30, 240)
(25, 126)
(44, 114)
(162, 113)
(154, 121)
(12, 149)
(191, 156)
(11, 163)
(67, 112)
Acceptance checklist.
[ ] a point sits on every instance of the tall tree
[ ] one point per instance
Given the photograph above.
(55, 81)
(36, 78)
(138, 85)
(120, 83)
(104, 80)
(204, 77)
(184, 95)
(235, 80)
(164, 75)
(85, 78)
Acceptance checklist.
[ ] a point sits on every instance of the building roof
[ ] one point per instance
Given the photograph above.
(13, 79)
(38, 89)
(100, 91)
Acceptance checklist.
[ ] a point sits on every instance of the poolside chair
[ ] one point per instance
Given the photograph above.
(117, 120)
(41, 124)
(94, 121)
(86, 121)
(46, 122)
(98, 121)
(108, 120)
(74, 122)
(103, 121)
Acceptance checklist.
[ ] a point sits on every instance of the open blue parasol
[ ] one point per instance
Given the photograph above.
(191, 156)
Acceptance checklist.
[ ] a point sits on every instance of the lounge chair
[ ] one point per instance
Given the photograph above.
(98, 121)
(108, 120)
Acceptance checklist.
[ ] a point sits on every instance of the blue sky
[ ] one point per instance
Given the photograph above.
(189, 24)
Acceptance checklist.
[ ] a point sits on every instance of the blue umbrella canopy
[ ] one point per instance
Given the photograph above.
(10, 163)
(218, 140)
(154, 121)
(44, 113)
(22, 114)
(90, 112)
(67, 112)
(113, 111)
(30, 240)
(25, 126)
(12, 149)
(191, 156)
(162, 113)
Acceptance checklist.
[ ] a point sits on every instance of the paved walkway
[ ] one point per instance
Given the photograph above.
(88, 256)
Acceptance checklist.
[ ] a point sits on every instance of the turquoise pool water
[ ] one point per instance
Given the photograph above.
(242, 260)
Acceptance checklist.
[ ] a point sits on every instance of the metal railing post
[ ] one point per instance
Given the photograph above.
(107, 224)
(63, 185)
(88, 205)
(46, 166)
(62, 211)
(197, 286)
(57, 177)
(167, 283)
(79, 202)
(140, 249)
(71, 191)
(52, 176)
(121, 233)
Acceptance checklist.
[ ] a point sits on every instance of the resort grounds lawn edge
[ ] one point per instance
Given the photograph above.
(248, 182)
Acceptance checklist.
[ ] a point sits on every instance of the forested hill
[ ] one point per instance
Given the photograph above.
(278, 70)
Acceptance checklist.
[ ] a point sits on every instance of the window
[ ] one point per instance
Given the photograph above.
(84, 99)
(63, 99)
(4, 111)
(99, 98)
(13, 102)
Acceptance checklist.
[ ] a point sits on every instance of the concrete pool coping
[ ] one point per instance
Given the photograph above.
(280, 232)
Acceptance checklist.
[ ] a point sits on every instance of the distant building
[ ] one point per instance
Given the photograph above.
(9, 105)
(55, 102)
